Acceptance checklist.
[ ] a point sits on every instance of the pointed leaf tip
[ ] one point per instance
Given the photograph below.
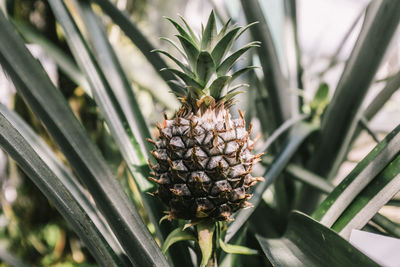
(210, 32)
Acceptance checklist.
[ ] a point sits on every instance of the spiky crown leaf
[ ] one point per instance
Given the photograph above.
(207, 75)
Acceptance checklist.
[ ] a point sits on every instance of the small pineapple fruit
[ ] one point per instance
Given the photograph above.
(204, 156)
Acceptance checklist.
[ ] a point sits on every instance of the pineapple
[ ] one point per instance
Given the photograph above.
(204, 156)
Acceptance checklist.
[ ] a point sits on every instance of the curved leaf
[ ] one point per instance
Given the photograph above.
(64, 62)
(184, 77)
(358, 179)
(191, 50)
(275, 81)
(132, 32)
(342, 113)
(21, 151)
(223, 45)
(177, 62)
(176, 236)
(65, 176)
(309, 243)
(118, 104)
(370, 200)
(228, 63)
(182, 32)
(236, 249)
(50, 106)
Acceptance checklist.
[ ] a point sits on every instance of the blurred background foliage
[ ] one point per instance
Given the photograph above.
(31, 226)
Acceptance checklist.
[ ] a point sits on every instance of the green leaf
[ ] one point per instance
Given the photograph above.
(50, 106)
(210, 33)
(129, 128)
(308, 243)
(176, 236)
(185, 78)
(177, 62)
(204, 67)
(116, 95)
(194, 37)
(310, 178)
(276, 84)
(340, 117)
(228, 63)
(389, 226)
(236, 87)
(392, 85)
(205, 233)
(124, 21)
(223, 46)
(300, 132)
(191, 51)
(245, 28)
(218, 85)
(196, 92)
(182, 32)
(238, 73)
(370, 200)
(64, 175)
(358, 179)
(31, 163)
(175, 45)
(64, 62)
(224, 29)
(231, 95)
(235, 249)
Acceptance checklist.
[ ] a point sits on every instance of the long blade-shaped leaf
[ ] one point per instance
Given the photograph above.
(20, 150)
(210, 33)
(275, 81)
(119, 106)
(392, 85)
(64, 62)
(308, 243)
(137, 37)
(228, 63)
(50, 106)
(370, 200)
(136, 129)
(340, 118)
(300, 133)
(116, 77)
(224, 45)
(359, 178)
(64, 175)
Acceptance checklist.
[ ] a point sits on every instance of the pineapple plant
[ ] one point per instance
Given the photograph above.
(204, 156)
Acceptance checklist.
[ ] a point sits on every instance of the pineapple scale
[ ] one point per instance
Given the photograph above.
(204, 165)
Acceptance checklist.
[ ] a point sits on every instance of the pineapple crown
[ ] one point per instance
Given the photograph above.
(207, 74)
